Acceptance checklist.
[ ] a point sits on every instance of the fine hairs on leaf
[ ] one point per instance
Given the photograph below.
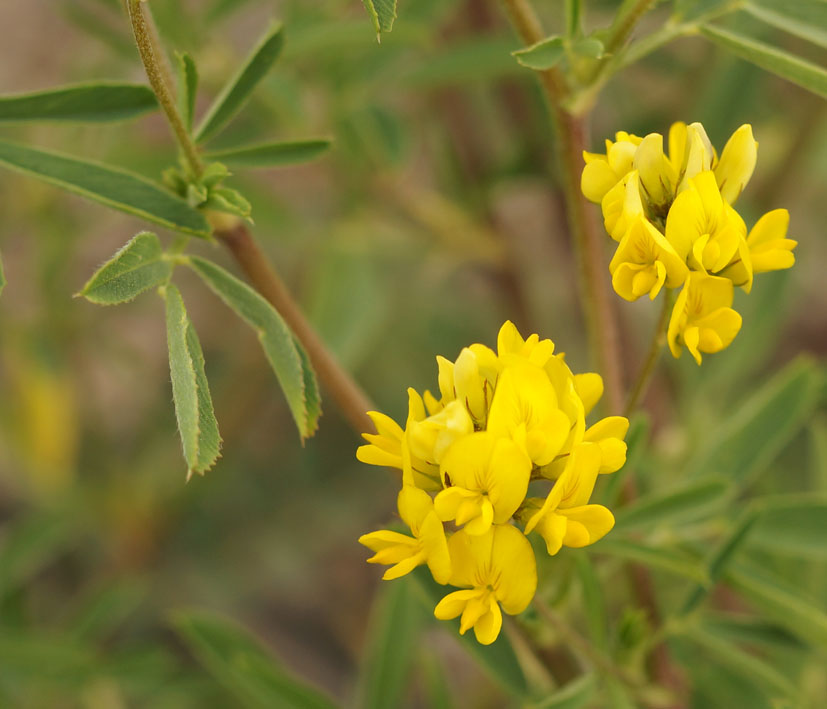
(138, 266)
(193, 406)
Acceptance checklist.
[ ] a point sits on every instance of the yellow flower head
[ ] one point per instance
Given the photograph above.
(494, 569)
(602, 172)
(703, 319)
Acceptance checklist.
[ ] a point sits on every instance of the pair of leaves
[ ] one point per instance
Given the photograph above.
(549, 52)
(142, 265)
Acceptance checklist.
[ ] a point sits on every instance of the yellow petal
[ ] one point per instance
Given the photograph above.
(737, 163)
(454, 603)
(414, 505)
(587, 524)
(589, 387)
(446, 378)
(512, 559)
(597, 179)
(435, 546)
(488, 627)
(376, 456)
(656, 175)
(773, 225)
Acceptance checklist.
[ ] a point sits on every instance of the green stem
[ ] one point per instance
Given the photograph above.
(625, 23)
(655, 347)
(155, 72)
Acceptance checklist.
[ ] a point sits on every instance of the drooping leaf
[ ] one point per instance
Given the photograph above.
(794, 525)
(670, 560)
(190, 391)
(748, 442)
(138, 266)
(686, 503)
(804, 18)
(573, 695)
(545, 54)
(382, 14)
(274, 335)
(241, 664)
(116, 188)
(238, 89)
(393, 637)
(737, 660)
(498, 659)
(95, 102)
(788, 66)
(272, 154)
(187, 87)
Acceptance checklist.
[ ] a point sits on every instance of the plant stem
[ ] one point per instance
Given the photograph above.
(570, 131)
(625, 23)
(352, 401)
(655, 347)
(155, 72)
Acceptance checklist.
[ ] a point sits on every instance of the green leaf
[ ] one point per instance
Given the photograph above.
(312, 395)
(799, 71)
(393, 637)
(382, 14)
(594, 603)
(686, 503)
(720, 559)
(498, 659)
(573, 695)
(588, 47)
(272, 154)
(735, 659)
(187, 87)
(657, 557)
(138, 266)
(240, 663)
(749, 441)
(573, 11)
(750, 630)
(190, 390)
(96, 102)
(236, 92)
(780, 602)
(794, 525)
(545, 54)
(111, 186)
(804, 18)
(274, 335)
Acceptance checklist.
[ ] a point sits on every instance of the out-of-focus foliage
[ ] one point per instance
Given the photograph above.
(432, 219)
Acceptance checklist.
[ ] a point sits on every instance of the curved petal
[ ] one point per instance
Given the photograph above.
(513, 558)
(454, 603)
(488, 627)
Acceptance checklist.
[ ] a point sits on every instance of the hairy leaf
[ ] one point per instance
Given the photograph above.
(237, 91)
(273, 333)
(116, 188)
(138, 266)
(190, 391)
(272, 154)
(96, 102)
(187, 87)
(237, 659)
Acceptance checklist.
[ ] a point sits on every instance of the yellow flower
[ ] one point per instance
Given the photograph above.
(431, 437)
(767, 249)
(602, 172)
(737, 163)
(496, 568)
(427, 545)
(690, 152)
(702, 227)
(475, 375)
(608, 434)
(486, 479)
(511, 346)
(703, 319)
(644, 262)
(565, 518)
(622, 206)
(385, 446)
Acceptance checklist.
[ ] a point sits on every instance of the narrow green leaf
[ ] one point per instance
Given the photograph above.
(237, 659)
(750, 666)
(96, 102)
(382, 14)
(751, 630)
(111, 186)
(781, 602)
(138, 266)
(803, 18)
(794, 525)
(312, 395)
(573, 18)
(393, 637)
(274, 335)
(720, 559)
(272, 154)
(190, 390)
(187, 87)
(238, 89)
(498, 660)
(686, 503)
(657, 557)
(545, 54)
(748, 442)
(572, 695)
(799, 71)
(594, 603)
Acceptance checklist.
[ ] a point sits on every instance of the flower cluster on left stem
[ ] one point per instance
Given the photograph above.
(503, 422)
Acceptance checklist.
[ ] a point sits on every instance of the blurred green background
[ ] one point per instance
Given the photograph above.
(435, 217)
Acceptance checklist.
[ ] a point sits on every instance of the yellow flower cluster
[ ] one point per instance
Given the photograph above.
(673, 217)
(503, 420)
